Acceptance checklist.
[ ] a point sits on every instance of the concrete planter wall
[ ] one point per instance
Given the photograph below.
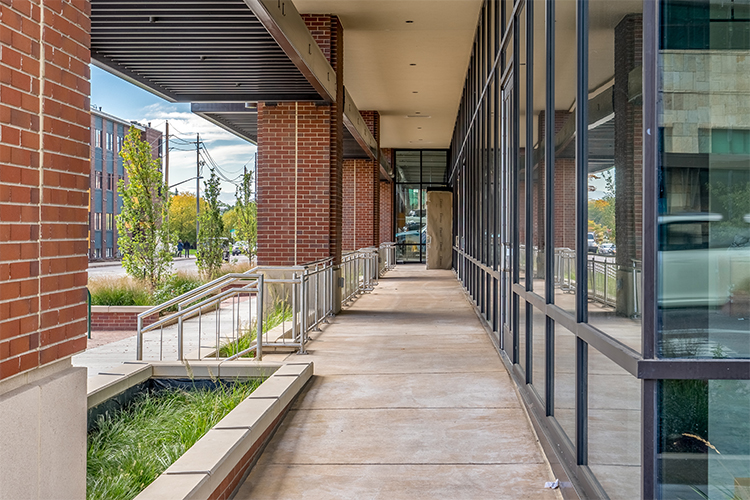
(214, 466)
(119, 317)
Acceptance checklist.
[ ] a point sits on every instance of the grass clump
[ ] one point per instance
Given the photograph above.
(280, 313)
(118, 291)
(130, 448)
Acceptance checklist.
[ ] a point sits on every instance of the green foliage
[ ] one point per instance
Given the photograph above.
(118, 291)
(247, 213)
(280, 313)
(684, 413)
(602, 219)
(182, 216)
(230, 221)
(144, 236)
(131, 448)
(210, 252)
(174, 286)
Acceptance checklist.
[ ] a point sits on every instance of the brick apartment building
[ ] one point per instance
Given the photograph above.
(107, 135)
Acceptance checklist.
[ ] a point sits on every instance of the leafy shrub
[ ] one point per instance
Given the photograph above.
(174, 286)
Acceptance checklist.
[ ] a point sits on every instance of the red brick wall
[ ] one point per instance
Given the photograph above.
(44, 167)
(119, 320)
(386, 211)
(319, 168)
(361, 204)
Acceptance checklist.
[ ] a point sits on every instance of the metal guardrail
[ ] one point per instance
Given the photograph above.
(602, 278)
(305, 293)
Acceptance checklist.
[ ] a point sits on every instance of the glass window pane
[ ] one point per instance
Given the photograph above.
(565, 185)
(522, 333)
(537, 174)
(615, 168)
(704, 205)
(521, 179)
(538, 351)
(704, 439)
(565, 380)
(614, 443)
(410, 222)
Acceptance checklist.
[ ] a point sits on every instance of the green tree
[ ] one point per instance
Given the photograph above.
(143, 227)
(182, 216)
(210, 241)
(229, 218)
(247, 213)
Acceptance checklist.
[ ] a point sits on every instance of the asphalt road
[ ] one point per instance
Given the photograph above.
(114, 268)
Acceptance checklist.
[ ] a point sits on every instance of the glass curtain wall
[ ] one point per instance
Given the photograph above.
(547, 169)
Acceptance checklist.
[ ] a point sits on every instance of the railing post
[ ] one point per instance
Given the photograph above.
(259, 321)
(295, 314)
(139, 346)
(180, 352)
(303, 304)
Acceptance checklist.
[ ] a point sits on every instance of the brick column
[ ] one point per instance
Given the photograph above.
(386, 204)
(44, 177)
(305, 197)
(361, 195)
(628, 159)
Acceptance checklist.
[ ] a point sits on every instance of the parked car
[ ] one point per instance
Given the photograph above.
(593, 247)
(240, 247)
(607, 249)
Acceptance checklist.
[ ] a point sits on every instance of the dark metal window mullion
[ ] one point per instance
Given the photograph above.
(549, 171)
(582, 33)
(529, 159)
(649, 324)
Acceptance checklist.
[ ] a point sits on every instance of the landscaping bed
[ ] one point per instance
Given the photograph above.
(129, 448)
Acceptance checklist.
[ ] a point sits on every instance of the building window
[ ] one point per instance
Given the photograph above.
(110, 182)
(98, 253)
(98, 138)
(119, 143)
(109, 252)
(109, 140)
(110, 221)
(97, 222)
(98, 180)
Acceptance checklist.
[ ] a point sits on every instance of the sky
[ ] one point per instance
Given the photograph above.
(129, 102)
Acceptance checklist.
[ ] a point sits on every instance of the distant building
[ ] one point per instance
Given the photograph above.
(107, 137)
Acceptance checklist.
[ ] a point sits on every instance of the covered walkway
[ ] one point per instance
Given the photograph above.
(409, 400)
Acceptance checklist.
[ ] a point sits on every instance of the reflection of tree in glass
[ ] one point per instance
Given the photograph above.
(684, 414)
(733, 202)
(602, 211)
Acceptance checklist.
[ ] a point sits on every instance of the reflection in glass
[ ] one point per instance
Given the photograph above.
(538, 189)
(410, 223)
(522, 305)
(704, 439)
(615, 168)
(704, 204)
(565, 187)
(614, 426)
(521, 179)
(538, 352)
(565, 380)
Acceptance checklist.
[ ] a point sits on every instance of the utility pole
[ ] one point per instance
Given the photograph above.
(166, 157)
(197, 187)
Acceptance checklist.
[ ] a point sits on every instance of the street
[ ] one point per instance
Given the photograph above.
(114, 268)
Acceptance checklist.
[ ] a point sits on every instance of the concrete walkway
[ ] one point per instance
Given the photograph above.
(409, 400)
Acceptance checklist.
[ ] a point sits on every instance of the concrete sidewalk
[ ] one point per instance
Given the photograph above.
(409, 400)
